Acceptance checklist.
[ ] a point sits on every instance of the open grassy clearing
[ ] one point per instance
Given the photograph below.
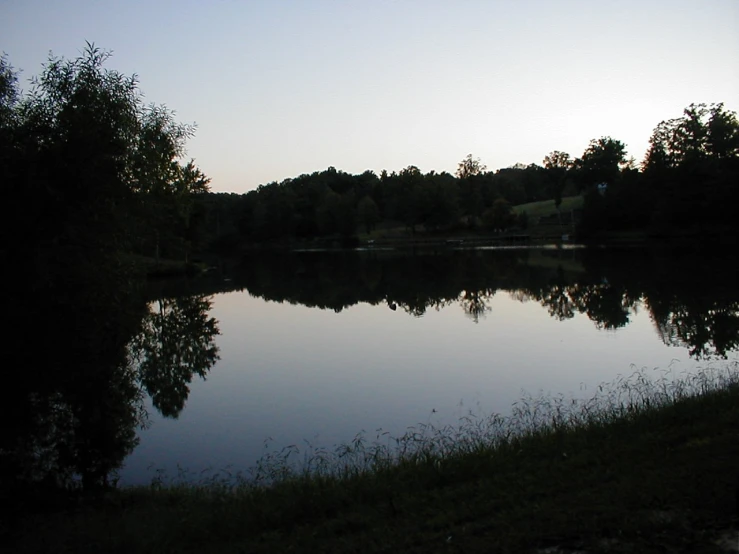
(649, 464)
(547, 208)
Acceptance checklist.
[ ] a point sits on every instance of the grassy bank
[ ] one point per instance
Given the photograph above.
(646, 465)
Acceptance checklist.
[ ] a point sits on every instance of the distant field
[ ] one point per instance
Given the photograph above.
(547, 207)
(395, 230)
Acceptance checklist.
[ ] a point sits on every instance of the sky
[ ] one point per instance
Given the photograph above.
(279, 88)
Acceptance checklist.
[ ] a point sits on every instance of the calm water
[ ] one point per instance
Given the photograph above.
(317, 346)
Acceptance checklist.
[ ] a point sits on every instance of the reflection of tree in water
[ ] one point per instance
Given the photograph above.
(70, 435)
(96, 172)
(77, 410)
(419, 305)
(177, 342)
(475, 303)
(707, 331)
(558, 302)
(608, 306)
(76, 404)
(690, 309)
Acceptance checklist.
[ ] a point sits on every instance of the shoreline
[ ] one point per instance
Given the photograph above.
(642, 467)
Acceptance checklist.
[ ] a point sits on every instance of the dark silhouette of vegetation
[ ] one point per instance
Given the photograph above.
(80, 404)
(96, 181)
(687, 186)
(335, 204)
(693, 168)
(176, 342)
(558, 165)
(693, 310)
(684, 187)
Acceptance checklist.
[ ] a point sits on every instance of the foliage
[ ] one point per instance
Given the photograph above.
(557, 160)
(176, 342)
(600, 163)
(90, 159)
(470, 167)
(688, 183)
(703, 133)
(368, 213)
(693, 167)
(332, 203)
(557, 164)
(91, 171)
(499, 216)
(682, 184)
(698, 312)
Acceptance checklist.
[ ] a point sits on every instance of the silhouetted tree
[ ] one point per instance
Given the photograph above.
(557, 164)
(443, 205)
(499, 216)
(601, 162)
(692, 167)
(470, 167)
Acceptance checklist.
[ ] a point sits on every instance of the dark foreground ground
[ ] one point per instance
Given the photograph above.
(658, 472)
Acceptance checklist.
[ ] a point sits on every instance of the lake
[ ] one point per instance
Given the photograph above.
(311, 348)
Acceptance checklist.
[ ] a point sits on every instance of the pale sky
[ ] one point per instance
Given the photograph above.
(279, 88)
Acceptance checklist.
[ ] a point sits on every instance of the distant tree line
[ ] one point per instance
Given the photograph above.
(332, 203)
(685, 185)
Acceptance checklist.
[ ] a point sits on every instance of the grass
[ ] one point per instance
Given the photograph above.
(648, 464)
(395, 231)
(547, 208)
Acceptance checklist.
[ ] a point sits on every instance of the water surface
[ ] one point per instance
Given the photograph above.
(315, 347)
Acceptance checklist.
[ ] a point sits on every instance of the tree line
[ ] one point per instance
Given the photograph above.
(85, 156)
(685, 185)
(332, 203)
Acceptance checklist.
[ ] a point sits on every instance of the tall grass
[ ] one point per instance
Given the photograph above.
(623, 400)
(646, 464)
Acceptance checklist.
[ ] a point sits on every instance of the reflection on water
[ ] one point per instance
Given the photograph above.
(80, 406)
(692, 302)
(176, 342)
(318, 345)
